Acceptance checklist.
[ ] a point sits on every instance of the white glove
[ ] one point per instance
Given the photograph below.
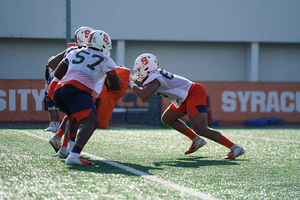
(134, 77)
(131, 82)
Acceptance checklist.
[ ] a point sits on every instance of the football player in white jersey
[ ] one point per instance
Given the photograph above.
(82, 75)
(81, 36)
(188, 98)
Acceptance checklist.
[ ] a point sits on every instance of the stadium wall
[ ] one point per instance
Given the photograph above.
(205, 41)
(22, 100)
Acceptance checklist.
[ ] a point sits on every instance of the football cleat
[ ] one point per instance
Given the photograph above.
(51, 128)
(70, 146)
(236, 151)
(196, 145)
(73, 160)
(62, 153)
(55, 143)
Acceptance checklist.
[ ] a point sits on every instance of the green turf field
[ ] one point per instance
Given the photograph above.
(270, 168)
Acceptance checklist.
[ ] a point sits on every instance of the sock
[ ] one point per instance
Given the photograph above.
(60, 132)
(190, 134)
(72, 154)
(65, 142)
(77, 148)
(52, 123)
(57, 123)
(72, 137)
(225, 142)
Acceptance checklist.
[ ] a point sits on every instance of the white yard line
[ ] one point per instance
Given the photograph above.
(153, 178)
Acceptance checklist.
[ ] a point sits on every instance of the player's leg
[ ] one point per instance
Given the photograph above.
(55, 141)
(63, 131)
(57, 117)
(72, 132)
(196, 105)
(90, 123)
(52, 117)
(200, 126)
(172, 118)
(83, 109)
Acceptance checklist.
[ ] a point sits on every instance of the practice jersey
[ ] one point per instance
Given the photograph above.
(173, 87)
(70, 49)
(88, 67)
(54, 81)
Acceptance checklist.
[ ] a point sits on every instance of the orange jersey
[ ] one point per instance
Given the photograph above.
(109, 99)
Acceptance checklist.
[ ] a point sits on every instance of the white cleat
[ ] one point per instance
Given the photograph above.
(196, 145)
(74, 160)
(236, 151)
(62, 153)
(51, 128)
(55, 143)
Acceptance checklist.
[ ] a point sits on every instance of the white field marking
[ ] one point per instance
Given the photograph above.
(153, 178)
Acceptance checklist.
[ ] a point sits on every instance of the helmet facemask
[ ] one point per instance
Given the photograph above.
(144, 64)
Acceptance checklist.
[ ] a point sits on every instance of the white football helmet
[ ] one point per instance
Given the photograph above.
(51, 58)
(100, 40)
(144, 64)
(81, 36)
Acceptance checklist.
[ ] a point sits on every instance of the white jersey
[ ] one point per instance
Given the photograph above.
(70, 49)
(89, 67)
(173, 87)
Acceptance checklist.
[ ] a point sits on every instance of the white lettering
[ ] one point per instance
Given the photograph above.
(38, 99)
(258, 98)
(23, 93)
(2, 101)
(243, 100)
(283, 101)
(298, 101)
(228, 98)
(12, 100)
(273, 102)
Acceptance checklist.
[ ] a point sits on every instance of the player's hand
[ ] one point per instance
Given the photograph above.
(131, 82)
(134, 77)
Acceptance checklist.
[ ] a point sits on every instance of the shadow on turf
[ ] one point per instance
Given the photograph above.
(104, 168)
(190, 162)
(194, 162)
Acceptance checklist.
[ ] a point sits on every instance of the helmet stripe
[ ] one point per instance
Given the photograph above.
(75, 36)
(91, 35)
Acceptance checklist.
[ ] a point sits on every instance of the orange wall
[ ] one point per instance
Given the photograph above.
(22, 100)
(237, 101)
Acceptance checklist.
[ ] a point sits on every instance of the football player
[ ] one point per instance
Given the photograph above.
(81, 37)
(54, 114)
(82, 74)
(188, 98)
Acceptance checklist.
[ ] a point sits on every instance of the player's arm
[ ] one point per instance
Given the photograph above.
(112, 80)
(56, 60)
(61, 69)
(147, 91)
